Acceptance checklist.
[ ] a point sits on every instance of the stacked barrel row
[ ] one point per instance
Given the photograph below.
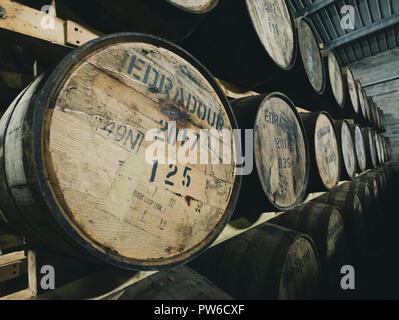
(78, 172)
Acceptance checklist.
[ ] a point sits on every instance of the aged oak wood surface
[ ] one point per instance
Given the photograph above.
(346, 149)
(323, 149)
(357, 137)
(324, 224)
(336, 78)
(266, 262)
(281, 162)
(96, 112)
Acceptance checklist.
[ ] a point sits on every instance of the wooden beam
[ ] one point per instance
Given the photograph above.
(12, 265)
(22, 24)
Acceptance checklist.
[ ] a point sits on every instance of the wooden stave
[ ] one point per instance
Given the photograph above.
(246, 111)
(231, 20)
(309, 120)
(219, 261)
(314, 219)
(181, 283)
(346, 173)
(69, 241)
(349, 203)
(161, 18)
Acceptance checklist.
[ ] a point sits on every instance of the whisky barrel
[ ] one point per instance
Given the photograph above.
(346, 149)
(369, 145)
(181, 283)
(368, 109)
(169, 19)
(324, 224)
(373, 110)
(280, 152)
(352, 107)
(378, 148)
(337, 88)
(267, 41)
(266, 262)
(78, 155)
(357, 137)
(353, 216)
(325, 164)
(362, 117)
(363, 191)
(305, 83)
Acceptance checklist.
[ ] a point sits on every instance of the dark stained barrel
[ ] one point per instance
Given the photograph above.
(280, 175)
(266, 262)
(181, 283)
(378, 147)
(76, 174)
(169, 19)
(354, 221)
(360, 149)
(346, 150)
(325, 164)
(369, 145)
(366, 197)
(266, 47)
(368, 109)
(324, 224)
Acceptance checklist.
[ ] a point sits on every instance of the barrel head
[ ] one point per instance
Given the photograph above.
(281, 153)
(275, 28)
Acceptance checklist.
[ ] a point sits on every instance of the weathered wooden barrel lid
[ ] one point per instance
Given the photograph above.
(275, 28)
(89, 122)
(359, 146)
(352, 88)
(195, 6)
(336, 78)
(361, 100)
(326, 150)
(347, 147)
(311, 56)
(281, 151)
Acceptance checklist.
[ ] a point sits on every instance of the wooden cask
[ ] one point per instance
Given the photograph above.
(325, 164)
(280, 175)
(324, 224)
(257, 37)
(352, 107)
(346, 150)
(360, 149)
(266, 262)
(362, 116)
(306, 82)
(353, 216)
(181, 283)
(337, 88)
(373, 110)
(363, 191)
(368, 109)
(169, 19)
(77, 155)
(378, 147)
(375, 191)
(369, 145)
